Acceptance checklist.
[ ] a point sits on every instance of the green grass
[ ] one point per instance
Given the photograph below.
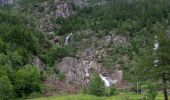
(123, 96)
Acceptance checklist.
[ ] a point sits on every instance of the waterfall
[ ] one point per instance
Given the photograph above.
(156, 45)
(67, 38)
(106, 82)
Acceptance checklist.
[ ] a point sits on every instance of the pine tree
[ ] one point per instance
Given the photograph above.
(96, 86)
(162, 54)
(155, 64)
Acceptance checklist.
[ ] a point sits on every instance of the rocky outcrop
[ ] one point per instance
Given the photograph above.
(38, 63)
(50, 10)
(95, 46)
(46, 11)
(93, 52)
(78, 71)
(57, 8)
(80, 3)
(115, 78)
(6, 2)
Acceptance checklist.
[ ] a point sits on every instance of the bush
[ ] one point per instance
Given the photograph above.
(152, 92)
(60, 76)
(56, 53)
(34, 95)
(110, 91)
(16, 59)
(27, 80)
(46, 88)
(6, 88)
(96, 86)
(3, 59)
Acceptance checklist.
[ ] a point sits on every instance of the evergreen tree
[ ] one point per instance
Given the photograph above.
(96, 86)
(27, 80)
(162, 54)
(155, 64)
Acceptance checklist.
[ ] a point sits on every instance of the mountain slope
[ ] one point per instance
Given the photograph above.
(64, 42)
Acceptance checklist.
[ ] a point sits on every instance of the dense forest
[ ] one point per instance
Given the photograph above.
(140, 47)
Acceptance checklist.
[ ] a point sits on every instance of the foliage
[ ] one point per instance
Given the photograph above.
(152, 92)
(6, 88)
(60, 76)
(34, 95)
(96, 86)
(146, 65)
(117, 13)
(110, 91)
(56, 53)
(18, 43)
(27, 80)
(122, 96)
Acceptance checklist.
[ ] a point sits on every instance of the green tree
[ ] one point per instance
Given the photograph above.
(16, 59)
(6, 88)
(155, 64)
(163, 52)
(96, 86)
(27, 80)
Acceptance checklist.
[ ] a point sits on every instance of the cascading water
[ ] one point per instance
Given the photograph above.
(67, 38)
(106, 82)
(156, 45)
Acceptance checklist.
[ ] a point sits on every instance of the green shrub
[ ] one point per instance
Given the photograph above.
(110, 91)
(27, 80)
(34, 95)
(152, 92)
(60, 76)
(46, 88)
(96, 86)
(16, 59)
(6, 88)
(56, 53)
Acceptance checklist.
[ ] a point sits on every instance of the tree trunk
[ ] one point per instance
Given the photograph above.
(165, 92)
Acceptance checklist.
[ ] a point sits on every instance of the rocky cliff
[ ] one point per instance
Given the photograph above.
(6, 2)
(93, 55)
(95, 49)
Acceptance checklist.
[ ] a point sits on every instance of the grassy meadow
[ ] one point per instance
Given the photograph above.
(123, 96)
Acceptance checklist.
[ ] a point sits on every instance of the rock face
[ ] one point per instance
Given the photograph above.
(94, 51)
(49, 10)
(80, 3)
(6, 2)
(57, 8)
(118, 78)
(92, 46)
(38, 63)
(78, 71)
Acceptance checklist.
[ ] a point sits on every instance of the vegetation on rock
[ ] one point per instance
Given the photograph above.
(112, 34)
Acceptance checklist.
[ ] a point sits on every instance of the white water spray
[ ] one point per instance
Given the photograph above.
(67, 38)
(106, 82)
(156, 45)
